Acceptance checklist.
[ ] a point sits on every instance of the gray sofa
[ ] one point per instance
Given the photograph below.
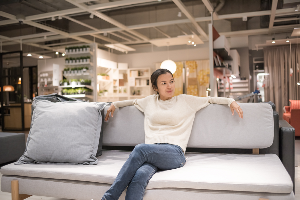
(222, 160)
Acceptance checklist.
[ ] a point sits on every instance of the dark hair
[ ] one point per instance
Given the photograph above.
(155, 76)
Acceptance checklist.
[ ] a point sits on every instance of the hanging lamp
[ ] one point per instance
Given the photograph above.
(168, 64)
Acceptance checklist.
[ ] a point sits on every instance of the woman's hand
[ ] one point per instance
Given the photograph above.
(111, 110)
(237, 108)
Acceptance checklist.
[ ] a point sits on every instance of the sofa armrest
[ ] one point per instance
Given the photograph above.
(287, 109)
(287, 148)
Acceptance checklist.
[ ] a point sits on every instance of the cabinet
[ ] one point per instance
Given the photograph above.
(78, 76)
(45, 83)
(117, 84)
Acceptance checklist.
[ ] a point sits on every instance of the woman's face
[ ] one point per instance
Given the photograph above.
(166, 86)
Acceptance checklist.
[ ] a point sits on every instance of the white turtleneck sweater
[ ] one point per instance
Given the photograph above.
(170, 121)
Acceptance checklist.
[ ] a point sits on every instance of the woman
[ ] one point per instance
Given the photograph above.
(168, 123)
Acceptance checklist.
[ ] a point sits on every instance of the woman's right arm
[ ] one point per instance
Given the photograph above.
(115, 105)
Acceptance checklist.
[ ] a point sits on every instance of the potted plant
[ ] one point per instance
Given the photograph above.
(65, 91)
(73, 82)
(101, 93)
(65, 82)
(105, 93)
(87, 48)
(88, 59)
(87, 82)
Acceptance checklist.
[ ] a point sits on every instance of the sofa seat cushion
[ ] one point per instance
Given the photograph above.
(231, 172)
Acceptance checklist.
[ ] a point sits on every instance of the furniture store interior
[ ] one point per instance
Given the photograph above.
(97, 53)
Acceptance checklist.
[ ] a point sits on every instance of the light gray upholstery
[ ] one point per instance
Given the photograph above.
(234, 172)
(63, 132)
(213, 127)
(88, 190)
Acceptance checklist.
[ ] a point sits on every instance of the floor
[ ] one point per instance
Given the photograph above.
(7, 196)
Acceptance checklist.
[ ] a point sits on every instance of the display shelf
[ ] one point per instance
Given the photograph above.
(138, 95)
(141, 86)
(75, 86)
(81, 53)
(82, 63)
(83, 74)
(260, 71)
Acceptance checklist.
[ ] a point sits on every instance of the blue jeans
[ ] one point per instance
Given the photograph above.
(143, 162)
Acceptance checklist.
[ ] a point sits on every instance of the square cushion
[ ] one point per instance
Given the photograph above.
(63, 132)
(227, 172)
(295, 104)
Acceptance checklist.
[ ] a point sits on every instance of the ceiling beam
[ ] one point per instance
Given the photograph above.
(31, 44)
(210, 8)
(109, 20)
(119, 36)
(93, 28)
(162, 32)
(182, 7)
(272, 16)
(47, 28)
(36, 40)
(286, 19)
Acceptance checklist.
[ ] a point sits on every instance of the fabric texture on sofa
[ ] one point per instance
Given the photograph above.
(63, 133)
(233, 172)
(88, 190)
(209, 130)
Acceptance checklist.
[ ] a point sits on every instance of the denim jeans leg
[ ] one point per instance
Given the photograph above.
(164, 156)
(138, 184)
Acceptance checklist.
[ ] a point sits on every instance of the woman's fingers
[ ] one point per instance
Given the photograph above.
(107, 115)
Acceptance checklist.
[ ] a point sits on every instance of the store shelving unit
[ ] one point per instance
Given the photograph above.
(124, 84)
(88, 74)
(45, 83)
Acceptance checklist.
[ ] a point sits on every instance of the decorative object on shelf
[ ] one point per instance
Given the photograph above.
(78, 49)
(74, 91)
(103, 76)
(78, 60)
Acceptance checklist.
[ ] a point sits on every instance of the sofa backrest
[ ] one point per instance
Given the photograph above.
(213, 127)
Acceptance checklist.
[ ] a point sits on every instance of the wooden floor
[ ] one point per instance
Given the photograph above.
(7, 196)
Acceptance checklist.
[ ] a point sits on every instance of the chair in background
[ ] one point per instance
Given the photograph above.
(292, 115)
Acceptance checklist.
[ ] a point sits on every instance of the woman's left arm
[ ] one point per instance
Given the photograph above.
(230, 102)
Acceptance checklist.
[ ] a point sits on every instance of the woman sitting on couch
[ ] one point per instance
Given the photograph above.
(168, 124)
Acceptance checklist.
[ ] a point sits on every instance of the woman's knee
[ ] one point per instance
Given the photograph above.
(144, 173)
(140, 148)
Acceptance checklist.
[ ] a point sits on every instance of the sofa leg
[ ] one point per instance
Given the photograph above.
(15, 191)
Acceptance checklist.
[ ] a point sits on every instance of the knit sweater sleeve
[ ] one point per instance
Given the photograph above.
(138, 103)
(196, 103)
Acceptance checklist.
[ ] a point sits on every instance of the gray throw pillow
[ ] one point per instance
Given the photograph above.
(63, 132)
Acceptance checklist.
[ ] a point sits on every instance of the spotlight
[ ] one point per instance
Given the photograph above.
(57, 53)
(158, 0)
(59, 17)
(298, 83)
(29, 54)
(273, 40)
(287, 39)
(53, 18)
(179, 14)
(91, 16)
(194, 44)
(63, 54)
(189, 41)
(41, 57)
(297, 8)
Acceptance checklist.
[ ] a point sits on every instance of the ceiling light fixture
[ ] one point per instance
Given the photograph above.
(53, 18)
(29, 54)
(297, 8)
(287, 39)
(59, 17)
(63, 54)
(169, 64)
(57, 53)
(189, 41)
(91, 16)
(194, 44)
(273, 40)
(298, 83)
(41, 57)
(158, 0)
(179, 14)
